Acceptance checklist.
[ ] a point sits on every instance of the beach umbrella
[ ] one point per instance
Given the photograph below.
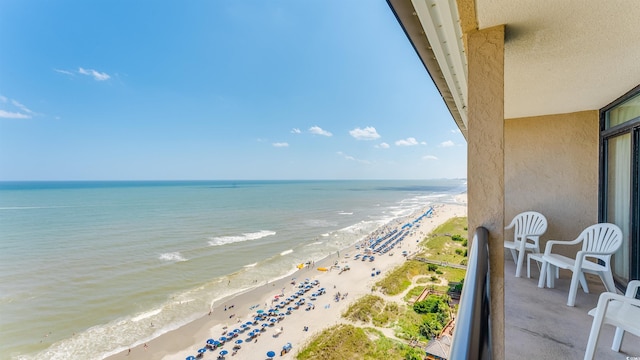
(203, 350)
(260, 311)
(248, 323)
(223, 339)
(223, 352)
(191, 358)
(239, 341)
(271, 354)
(210, 341)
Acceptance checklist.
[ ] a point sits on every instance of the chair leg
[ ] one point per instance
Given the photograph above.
(551, 282)
(583, 283)
(607, 279)
(617, 340)
(573, 289)
(543, 272)
(519, 263)
(594, 334)
(514, 256)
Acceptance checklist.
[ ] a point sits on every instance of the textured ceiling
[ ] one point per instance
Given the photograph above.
(564, 56)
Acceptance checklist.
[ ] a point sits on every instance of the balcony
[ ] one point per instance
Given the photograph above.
(539, 324)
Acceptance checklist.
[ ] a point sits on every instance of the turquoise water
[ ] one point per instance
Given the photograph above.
(85, 267)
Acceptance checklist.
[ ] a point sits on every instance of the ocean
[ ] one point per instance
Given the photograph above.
(87, 267)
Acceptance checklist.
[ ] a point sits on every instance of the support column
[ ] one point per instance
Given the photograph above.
(485, 160)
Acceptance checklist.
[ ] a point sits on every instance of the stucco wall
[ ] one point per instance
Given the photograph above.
(551, 166)
(485, 160)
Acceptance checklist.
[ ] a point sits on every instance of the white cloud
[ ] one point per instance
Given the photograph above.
(295, 131)
(368, 133)
(96, 74)
(429, 157)
(22, 112)
(351, 158)
(407, 142)
(447, 143)
(319, 131)
(280, 144)
(66, 72)
(383, 145)
(21, 107)
(456, 131)
(423, 143)
(13, 115)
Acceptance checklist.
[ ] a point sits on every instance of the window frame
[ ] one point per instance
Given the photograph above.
(631, 126)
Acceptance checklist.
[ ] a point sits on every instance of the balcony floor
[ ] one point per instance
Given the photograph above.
(539, 324)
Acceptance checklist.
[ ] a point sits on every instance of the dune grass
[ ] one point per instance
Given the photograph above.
(349, 342)
(373, 309)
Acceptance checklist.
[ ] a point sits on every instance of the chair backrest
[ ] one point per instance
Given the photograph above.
(603, 238)
(529, 223)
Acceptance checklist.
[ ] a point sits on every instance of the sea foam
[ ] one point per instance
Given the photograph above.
(172, 256)
(223, 240)
(146, 315)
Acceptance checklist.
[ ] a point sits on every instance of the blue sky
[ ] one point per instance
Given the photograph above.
(195, 89)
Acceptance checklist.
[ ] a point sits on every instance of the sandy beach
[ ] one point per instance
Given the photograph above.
(301, 324)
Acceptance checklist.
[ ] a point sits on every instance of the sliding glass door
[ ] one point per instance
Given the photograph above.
(620, 178)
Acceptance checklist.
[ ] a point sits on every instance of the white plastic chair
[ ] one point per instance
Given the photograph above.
(623, 312)
(599, 242)
(529, 226)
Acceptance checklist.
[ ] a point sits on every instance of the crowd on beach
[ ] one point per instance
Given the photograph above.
(258, 322)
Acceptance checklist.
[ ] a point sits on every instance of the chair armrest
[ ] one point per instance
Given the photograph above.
(606, 296)
(550, 243)
(632, 288)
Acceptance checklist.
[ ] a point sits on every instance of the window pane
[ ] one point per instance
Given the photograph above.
(626, 111)
(619, 198)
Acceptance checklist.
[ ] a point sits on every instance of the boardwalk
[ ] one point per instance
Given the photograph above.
(440, 263)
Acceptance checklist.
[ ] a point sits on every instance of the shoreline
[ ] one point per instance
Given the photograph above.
(226, 312)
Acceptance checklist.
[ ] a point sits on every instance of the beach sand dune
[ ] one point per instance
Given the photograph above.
(300, 326)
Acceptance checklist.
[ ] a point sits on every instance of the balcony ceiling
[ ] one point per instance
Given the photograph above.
(560, 56)
(565, 56)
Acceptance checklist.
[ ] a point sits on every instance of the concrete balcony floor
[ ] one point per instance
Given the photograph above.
(540, 325)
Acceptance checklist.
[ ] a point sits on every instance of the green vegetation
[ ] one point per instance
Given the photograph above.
(448, 242)
(414, 293)
(371, 308)
(349, 342)
(435, 309)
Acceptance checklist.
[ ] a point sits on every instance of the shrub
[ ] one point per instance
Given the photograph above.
(457, 237)
(432, 267)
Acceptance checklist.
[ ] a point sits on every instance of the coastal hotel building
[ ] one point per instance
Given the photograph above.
(547, 95)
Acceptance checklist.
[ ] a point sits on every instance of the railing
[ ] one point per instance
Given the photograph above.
(472, 334)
